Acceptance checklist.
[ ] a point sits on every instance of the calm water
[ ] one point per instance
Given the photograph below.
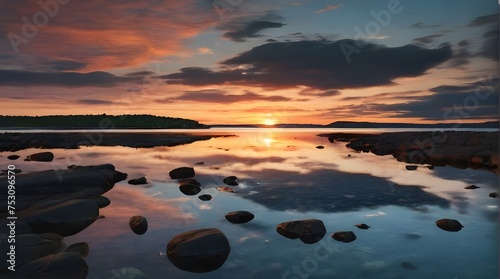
(284, 177)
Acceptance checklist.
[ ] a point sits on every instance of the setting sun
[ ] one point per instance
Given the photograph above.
(269, 122)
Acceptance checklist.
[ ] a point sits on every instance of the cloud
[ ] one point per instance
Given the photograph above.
(405, 95)
(490, 48)
(64, 79)
(318, 65)
(107, 34)
(484, 20)
(242, 28)
(316, 93)
(328, 8)
(427, 39)
(422, 25)
(205, 50)
(95, 102)
(64, 65)
(221, 96)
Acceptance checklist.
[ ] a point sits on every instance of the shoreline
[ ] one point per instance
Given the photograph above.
(73, 140)
(460, 149)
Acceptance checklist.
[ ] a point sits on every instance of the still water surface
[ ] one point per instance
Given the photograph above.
(283, 177)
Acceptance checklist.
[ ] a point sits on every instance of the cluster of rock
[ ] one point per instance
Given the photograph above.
(478, 150)
(49, 206)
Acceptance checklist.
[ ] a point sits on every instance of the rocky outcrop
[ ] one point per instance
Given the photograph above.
(199, 251)
(308, 231)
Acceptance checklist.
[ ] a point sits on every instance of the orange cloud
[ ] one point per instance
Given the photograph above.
(328, 8)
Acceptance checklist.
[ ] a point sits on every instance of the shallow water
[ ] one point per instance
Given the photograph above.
(284, 177)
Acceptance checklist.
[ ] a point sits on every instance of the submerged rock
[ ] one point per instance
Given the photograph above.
(308, 231)
(450, 225)
(182, 173)
(231, 181)
(239, 217)
(346, 237)
(199, 251)
(362, 226)
(138, 181)
(138, 224)
(205, 197)
(41, 157)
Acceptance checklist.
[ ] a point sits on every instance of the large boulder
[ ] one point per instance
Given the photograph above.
(199, 251)
(138, 224)
(450, 225)
(309, 231)
(41, 157)
(181, 173)
(239, 217)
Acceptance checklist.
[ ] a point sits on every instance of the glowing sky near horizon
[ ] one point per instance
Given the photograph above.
(265, 62)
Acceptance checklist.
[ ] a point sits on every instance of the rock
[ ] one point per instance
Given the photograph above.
(199, 251)
(231, 181)
(189, 181)
(408, 265)
(347, 236)
(239, 217)
(138, 181)
(119, 176)
(138, 224)
(199, 163)
(471, 187)
(408, 167)
(225, 189)
(309, 231)
(181, 173)
(349, 155)
(41, 157)
(450, 225)
(13, 157)
(101, 201)
(493, 195)
(205, 197)
(320, 147)
(431, 167)
(189, 190)
(81, 248)
(362, 226)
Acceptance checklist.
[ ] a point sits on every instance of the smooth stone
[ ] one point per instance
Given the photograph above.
(450, 225)
(102, 201)
(138, 181)
(493, 195)
(471, 187)
(13, 157)
(362, 226)
(411, 167)
(225, 189)
(41, 157)
(239, 217)
(231, 181)
(138, 224)
(189, 190)
(346, 237)
(199, 251)
(182, 173)
(205, 197)
(308, 231)
(81, 248)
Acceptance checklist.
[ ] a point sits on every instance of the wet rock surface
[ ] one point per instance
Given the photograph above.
(138, 181)
(182, 173)
(308, 231)
(41, 157)
(239, 217)
(346, 236)
(205, 197)
(199, 251)
(138, 224)
(231, 181)
(450, 225)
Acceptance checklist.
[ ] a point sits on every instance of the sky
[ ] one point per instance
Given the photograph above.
(253, 62)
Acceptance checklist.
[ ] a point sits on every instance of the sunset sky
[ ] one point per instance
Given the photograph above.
(252, 61)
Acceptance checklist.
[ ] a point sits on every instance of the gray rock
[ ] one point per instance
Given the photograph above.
(199, 251)
(138, 224)
(239, 217)
(41, 157)
(182, 173)
(450, 225)
(309, 231)
(346, 237)
(362, 226)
